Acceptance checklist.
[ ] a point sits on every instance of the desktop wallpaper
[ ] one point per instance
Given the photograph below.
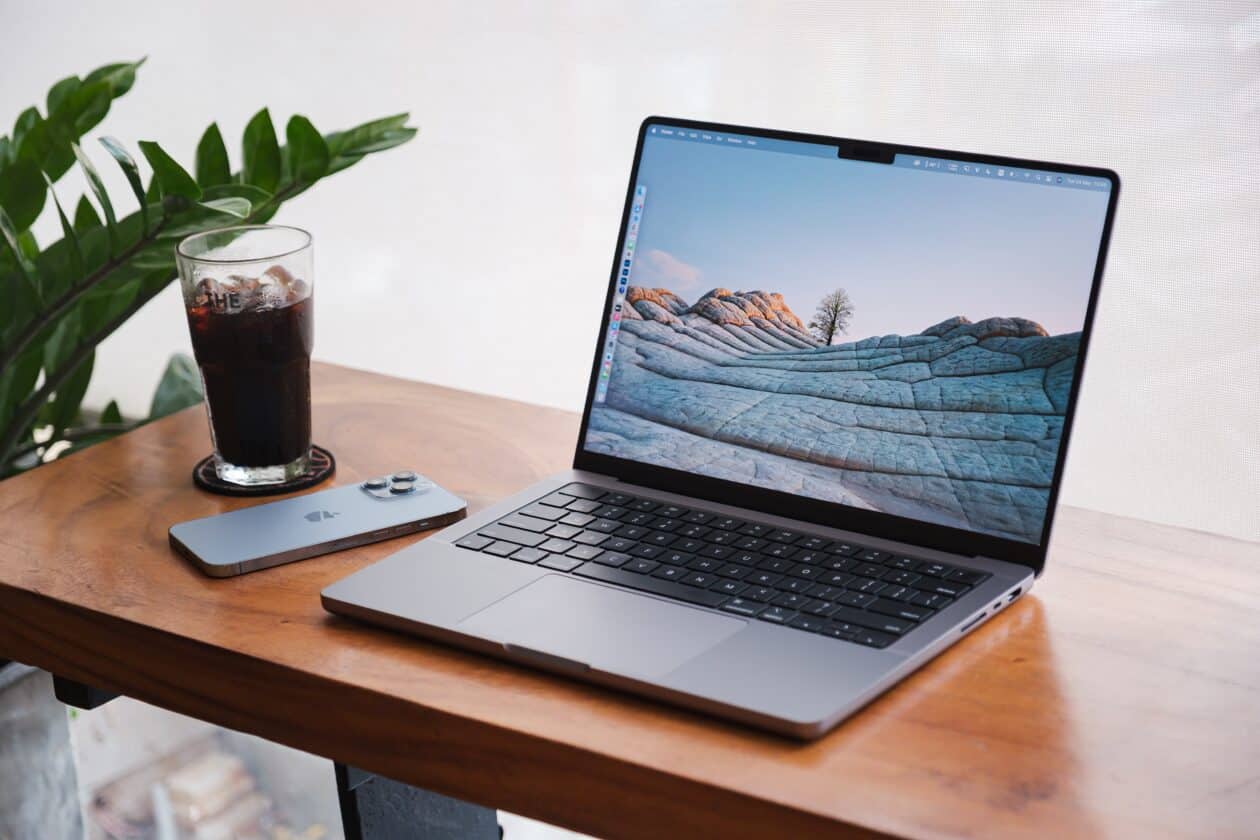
(882, 337)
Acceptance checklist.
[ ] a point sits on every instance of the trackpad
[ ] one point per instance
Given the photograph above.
(609, 629)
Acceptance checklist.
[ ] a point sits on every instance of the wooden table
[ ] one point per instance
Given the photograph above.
(1121, 699)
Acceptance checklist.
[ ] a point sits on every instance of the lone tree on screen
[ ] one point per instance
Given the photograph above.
(832, 317)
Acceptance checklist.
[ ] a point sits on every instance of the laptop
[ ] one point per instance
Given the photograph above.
(823, 437)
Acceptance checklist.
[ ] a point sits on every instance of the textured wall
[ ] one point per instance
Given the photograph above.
(38, 786)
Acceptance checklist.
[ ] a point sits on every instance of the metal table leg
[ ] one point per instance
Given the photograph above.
(376, 808)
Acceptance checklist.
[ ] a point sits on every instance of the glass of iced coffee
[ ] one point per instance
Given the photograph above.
(248, 296)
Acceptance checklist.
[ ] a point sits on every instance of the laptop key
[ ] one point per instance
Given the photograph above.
(806, 571)
(743, 607)
(529, 555)
(661, 538)
(501, 549)
(584, 506)
(764, 594)
(697, 517)
(808, 623)
(632, 532)
(604, 526)
(894, 592)
(819, 607)
(949, 589)
(648, 551)
(775, 564)
(640, 565)
(764, 578)
(780, 550)
(516, 535)
(722, 537)
(692, 531)
(706, 564)
(643, 505)
(927, 567)
(795, 584)
(557, 546)
(729, 587)
(583, 491)
(966, 576)
(931, 600)
(665, 523)
(638, 518)
(902, 577)
(867, 585)
(584, 552)
(836, 578)
(563, 532)
(673, 511)
(669, 572)
(610, 512)
(791, 600)
(843, 549)
(812, 557)
(812, 543)
(676, 558)
(839, 630)
(873, 556)
(701, 579)
(555, 500)
(870, 570)
(734, 570)
(874, 621)
(561, 563)
(646, 583)
(841, 564)
(590, 538)
(776, 615)
(691, 546)
(613, 558)
(871, 638)
(784, 536)
(525, 523)
(579, 519)
(541, 511)
(474, 542)
(720, 552)
(906, 563)
(619, 544)
(900, 610)
(855, 599)
(618, 499)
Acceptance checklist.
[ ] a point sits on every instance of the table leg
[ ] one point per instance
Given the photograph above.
(376, 808)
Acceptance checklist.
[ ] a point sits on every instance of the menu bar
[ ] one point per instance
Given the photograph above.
(1017, 174)
(740, 141)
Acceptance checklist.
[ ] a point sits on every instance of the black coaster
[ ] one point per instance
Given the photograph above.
(323, 464)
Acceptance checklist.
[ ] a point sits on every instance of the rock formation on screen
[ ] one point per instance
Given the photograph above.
(959, 424)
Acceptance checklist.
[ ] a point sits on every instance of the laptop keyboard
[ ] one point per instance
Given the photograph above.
(789, 577)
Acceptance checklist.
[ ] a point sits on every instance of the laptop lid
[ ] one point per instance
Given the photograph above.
(879, 338)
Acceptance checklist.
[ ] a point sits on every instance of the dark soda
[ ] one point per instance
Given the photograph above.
(256, 367)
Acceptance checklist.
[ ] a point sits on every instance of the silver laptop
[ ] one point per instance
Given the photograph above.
(823, 435)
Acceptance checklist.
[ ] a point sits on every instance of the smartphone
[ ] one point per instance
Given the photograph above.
(270, 534)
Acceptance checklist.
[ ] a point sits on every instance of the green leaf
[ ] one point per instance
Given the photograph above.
(238, 207)
(308, 152)
(58, 93)
(212, 158)
(12, 239)
(22, 193)
(174, 179)
(98, 189)
(111, 413)
(68, 397)
(62, 340)
(67, 229)
(261, 152)
(343, 142)
(128, 165)
(85, 217)
(17, 380)
(179, 387)
(120, 77)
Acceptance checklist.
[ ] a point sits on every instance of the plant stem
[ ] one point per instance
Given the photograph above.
(72, 435)
(71, 296)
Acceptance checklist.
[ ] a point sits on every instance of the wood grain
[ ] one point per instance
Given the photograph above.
(1121, 699)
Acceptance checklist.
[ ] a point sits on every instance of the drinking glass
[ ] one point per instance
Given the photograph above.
(248, 297)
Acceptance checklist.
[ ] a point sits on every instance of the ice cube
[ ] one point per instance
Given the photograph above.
(291, 288)
(207, 290)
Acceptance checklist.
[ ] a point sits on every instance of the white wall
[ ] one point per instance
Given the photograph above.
(476, 256)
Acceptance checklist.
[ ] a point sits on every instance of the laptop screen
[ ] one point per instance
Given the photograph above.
(897, 337)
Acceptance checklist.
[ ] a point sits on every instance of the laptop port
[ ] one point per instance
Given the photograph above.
(1015, 595)
(973, 622)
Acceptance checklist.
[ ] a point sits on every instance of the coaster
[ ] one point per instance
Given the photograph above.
(323, 464)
